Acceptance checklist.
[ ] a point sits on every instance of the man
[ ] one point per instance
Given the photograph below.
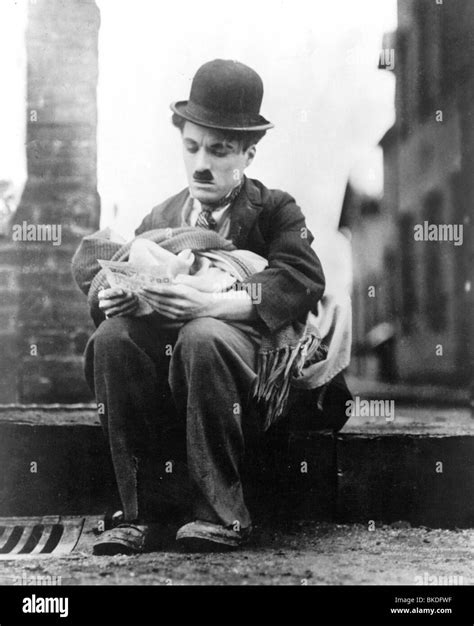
(186, 372)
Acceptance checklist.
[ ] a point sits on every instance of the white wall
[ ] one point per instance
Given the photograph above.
(318, 60)
(13, 94)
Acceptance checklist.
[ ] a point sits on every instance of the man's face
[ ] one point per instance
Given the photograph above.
(214, 165)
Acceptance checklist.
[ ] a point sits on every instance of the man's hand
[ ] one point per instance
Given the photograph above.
(179, 302)
(116, 302)
(183, 303)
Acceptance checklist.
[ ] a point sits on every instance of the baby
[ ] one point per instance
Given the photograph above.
(213, 271)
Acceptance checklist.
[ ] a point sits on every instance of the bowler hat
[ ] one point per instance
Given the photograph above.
(225, 95)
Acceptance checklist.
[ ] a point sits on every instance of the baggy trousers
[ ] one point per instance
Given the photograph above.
(161, 390)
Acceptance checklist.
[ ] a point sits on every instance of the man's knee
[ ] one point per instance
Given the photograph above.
(200, 335)
(112, 334)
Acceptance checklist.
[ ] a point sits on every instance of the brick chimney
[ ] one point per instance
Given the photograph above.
(45, 319)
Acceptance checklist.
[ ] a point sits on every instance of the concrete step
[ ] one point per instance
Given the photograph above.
(407, 392)
(418, 468)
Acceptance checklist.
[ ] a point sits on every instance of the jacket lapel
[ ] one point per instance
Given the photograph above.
(245, 211)
(170, 213)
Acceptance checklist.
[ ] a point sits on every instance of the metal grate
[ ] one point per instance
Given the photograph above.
(22, 537)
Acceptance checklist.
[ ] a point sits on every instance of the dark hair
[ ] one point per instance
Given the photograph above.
(245, 138)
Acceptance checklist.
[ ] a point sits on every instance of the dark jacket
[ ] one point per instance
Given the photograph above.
(270, 223)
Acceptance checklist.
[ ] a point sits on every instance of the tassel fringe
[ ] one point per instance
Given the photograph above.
(275, 370)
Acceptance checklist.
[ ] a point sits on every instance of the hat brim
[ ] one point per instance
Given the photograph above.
(180, 108)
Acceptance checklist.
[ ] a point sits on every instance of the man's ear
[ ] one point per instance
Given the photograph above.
(250, 155)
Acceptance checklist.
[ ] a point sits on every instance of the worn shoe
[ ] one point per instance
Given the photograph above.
(124, 539)
(199, 536)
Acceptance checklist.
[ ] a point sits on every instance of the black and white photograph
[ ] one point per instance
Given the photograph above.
(236, 355)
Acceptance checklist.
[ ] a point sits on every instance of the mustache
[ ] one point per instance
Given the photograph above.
(203, 177)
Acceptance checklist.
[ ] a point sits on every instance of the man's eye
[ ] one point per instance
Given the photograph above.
(191, 149)
(218, 153)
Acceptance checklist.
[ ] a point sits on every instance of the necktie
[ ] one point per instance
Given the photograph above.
(205, 219)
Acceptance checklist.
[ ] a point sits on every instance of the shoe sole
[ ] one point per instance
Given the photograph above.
(111, 549)
(196, 544)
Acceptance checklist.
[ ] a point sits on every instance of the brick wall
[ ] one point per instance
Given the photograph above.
(44, 318)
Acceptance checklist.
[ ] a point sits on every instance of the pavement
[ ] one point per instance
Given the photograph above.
(301, 553)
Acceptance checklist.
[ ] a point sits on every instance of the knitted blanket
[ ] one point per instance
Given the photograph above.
(283, 355)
